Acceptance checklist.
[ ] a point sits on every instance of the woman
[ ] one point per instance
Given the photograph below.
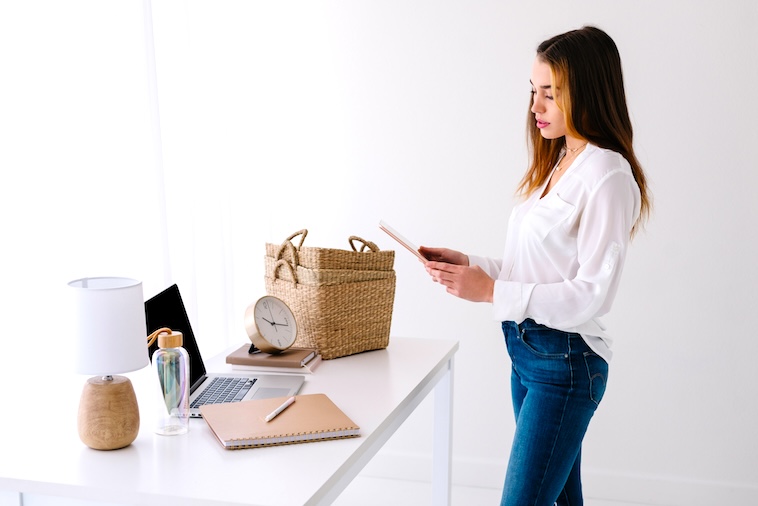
(584, 196)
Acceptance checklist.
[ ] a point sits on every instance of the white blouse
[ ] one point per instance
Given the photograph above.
(564, 252)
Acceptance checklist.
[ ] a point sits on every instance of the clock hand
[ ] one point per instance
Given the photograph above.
(280, 325)
(273, 320)
(270, 323)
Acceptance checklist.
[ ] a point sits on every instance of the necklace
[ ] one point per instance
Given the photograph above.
(572, 151)
(569, 153)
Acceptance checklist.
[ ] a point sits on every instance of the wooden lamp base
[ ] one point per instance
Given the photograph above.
(108, 413)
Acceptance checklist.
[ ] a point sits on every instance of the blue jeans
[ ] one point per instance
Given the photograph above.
(557, 382)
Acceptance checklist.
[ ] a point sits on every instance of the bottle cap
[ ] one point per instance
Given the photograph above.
(173, 340)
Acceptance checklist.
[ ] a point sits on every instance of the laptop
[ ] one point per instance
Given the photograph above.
(167, 310)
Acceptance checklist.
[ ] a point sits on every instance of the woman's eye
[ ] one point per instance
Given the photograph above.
(534, 94)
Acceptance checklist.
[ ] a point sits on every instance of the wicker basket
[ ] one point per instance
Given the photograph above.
(340, 310)
(326, 258)
(317, 277)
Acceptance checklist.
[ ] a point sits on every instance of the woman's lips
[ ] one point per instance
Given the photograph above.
(542, 124)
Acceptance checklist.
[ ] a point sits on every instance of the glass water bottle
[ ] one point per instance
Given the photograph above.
(171, 365)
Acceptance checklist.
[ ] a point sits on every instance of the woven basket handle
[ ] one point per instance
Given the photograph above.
(281, 262)
(366, 244)
(291, 247)
(302, 232)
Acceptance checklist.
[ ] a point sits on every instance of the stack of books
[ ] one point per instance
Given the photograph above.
(290, 361)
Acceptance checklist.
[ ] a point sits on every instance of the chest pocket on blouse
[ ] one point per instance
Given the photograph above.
(548, 214)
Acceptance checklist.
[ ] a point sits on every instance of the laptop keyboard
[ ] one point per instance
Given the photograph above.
(222, 390)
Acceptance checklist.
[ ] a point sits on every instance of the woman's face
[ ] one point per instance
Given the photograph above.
(550, 120)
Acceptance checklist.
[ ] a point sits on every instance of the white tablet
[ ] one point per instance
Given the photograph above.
(402, 240)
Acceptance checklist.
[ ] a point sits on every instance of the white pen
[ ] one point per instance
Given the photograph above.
(281, 408)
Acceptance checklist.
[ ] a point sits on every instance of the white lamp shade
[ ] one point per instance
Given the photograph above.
(109, 316)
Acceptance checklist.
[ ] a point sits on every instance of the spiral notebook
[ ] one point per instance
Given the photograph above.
(312, 417)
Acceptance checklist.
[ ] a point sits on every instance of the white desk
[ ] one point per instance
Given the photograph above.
(41, 455)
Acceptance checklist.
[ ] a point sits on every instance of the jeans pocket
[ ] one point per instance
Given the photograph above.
(545, 343)
(597, 373)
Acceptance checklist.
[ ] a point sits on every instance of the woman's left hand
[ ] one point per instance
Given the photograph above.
(469, 283)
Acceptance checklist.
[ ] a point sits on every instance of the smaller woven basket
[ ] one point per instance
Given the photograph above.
(316, 277)
(327, 258)
(340, 310)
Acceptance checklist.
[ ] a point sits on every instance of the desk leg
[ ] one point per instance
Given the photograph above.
(443, 439)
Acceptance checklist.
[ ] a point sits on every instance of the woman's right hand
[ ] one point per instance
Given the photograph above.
(444, 255)
(451, 268)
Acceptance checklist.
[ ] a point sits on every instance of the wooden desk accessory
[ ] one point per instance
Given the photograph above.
(108, 413)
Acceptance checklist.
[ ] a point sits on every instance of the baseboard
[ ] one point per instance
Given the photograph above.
(666, 490)
(598, 484)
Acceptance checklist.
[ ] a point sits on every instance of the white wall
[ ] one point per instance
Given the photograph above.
(414, 112)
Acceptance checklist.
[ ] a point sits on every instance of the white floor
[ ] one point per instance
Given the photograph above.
(369, 491)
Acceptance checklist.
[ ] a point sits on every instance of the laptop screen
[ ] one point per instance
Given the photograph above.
(167, 310)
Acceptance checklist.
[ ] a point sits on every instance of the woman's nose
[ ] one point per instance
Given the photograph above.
(537, 105)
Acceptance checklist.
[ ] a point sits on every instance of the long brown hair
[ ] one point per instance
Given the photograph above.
(589, 88)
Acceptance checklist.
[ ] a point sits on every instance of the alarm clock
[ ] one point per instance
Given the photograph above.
(270, 325)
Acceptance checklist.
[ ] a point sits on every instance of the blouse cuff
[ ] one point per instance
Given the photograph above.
(510, 300)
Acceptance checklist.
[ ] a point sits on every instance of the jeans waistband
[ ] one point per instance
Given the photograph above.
(530, 324)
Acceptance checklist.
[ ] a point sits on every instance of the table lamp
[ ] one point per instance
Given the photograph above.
(110, 329)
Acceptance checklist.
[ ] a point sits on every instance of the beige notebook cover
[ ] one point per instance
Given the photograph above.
(312, 417)
(293, 357)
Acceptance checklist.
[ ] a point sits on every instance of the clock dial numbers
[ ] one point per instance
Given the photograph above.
(273, 327)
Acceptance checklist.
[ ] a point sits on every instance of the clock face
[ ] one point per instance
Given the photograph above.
(275, 323)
